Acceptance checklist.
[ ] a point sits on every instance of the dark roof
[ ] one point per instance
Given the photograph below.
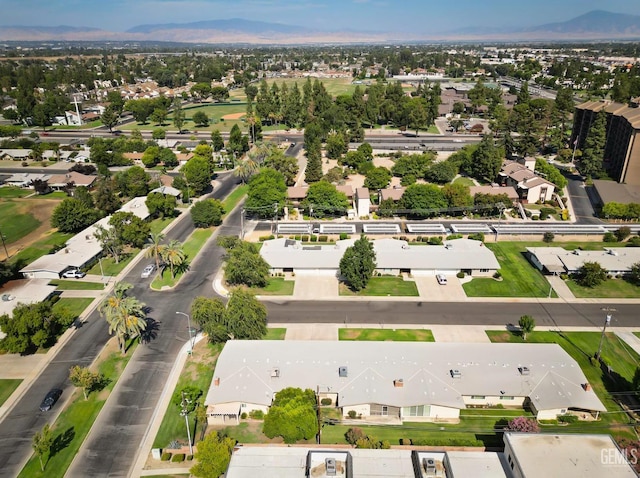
(610, 191)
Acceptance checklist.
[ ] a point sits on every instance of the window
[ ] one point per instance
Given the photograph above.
(506, 397)
(385, 410)
(484, 270)
(243, 405)
(416, 411)
(509, 459)
(478, 397)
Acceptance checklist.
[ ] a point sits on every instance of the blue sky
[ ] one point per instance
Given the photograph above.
(360, 15)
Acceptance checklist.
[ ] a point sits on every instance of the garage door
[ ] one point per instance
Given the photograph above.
(316, 272)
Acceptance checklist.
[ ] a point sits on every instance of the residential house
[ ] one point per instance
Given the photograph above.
(530, 187)
(363, 202)
(15, 154)
(167, 191)
(61, 181)
(617, 261)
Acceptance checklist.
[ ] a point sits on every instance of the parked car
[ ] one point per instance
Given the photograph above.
(147, 271)
(50, 399)
(74, 274)
(442, 280)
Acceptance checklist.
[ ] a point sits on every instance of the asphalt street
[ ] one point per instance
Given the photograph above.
(112, 452)
(582, 206)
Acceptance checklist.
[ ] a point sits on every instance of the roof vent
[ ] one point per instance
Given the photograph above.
(216, 381)
(429, 465)
(330, 466)
(586, 386)
(524, 370)
(613, 252)
(343, 372)
(576, 252)
(455, 373)
(398, 383)
(275, 373)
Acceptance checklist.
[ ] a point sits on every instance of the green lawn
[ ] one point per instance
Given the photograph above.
(582, 346)
(11, 192)
(20, 224)
(76, 285)
(74, 304)
(275, 334)
(191, 248)
(51, 195)
(157, 225)
(74, 423)
(520, 278)
(197, 372)
(7, 387)
(464, 181)
(235, 197)
(396, 335)
(383, 286)
(275, 286)
(40, 248)
(109, 265)
(609, 289)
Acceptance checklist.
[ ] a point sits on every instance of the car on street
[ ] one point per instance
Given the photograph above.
(442, 280)
(50, 399)
(73, 274)
(147, 271)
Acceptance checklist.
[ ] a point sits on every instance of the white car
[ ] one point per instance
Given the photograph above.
(147, 271)
(74, 274)
(442, 280)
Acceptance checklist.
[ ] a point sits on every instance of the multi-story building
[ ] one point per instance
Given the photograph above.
(622, 149)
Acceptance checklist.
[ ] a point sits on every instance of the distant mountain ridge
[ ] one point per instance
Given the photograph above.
(596, 21)
(232, 24)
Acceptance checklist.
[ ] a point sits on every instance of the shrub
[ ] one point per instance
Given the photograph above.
(451, 237)
(344, 236)
(352, 414)
(178, 457)
(166, 456)
(189, 457)
(266, 238)
(545, 212)
(564, 276)
(609, 237)
(326, 401)
(565, 214)
(623, 233)
(634, 242)
(323, 239)
(523, 425)
(497, 275)
(256, 414)
(567, 418)
(435, 241)
(477, 236)
(354, 434)
(243, 415)
(460, 275)
(405, 441)
(548, 237)
(535, 218)
(419, 239)
(313, 238)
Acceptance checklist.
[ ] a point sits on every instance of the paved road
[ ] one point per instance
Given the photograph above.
(19, 426)
(582, 206)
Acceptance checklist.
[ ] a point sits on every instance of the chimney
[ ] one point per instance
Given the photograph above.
(398, 383)
(586, 386)
(216, 381)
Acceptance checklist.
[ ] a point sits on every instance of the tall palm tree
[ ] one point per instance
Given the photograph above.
(156, 248)
(125, 315)
(246, 169)
(174, 255)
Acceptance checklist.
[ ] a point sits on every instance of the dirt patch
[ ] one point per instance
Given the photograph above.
(41, 209)
(233, 116)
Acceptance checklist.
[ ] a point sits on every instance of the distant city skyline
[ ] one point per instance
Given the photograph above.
(411, 16)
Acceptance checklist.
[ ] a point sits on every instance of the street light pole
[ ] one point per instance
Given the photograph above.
(607, 321)
(4, 245)
(185, 414)
(189, 327)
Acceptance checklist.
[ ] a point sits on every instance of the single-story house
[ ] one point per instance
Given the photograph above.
(60, 181)
(167, 191)
(137, 206)
(15, 154)
(136, 157)
(24, 292)
(393, 257)
(406, 381)
(495, 190)
(616, 261)
(296, 193)
(25, 180)
(395, 194)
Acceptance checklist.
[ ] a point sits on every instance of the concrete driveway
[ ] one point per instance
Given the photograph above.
(430, 290)
(310, 286)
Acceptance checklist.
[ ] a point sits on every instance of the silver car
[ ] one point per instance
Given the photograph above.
(147, 271)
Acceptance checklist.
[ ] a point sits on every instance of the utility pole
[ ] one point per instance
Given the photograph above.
(4, 245)
(185, 413)
(607, 321)
(275, 214)
(242, 224)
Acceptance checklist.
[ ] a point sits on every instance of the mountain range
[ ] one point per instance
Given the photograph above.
(594, 25)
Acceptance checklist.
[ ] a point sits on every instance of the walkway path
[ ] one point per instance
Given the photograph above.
(560, 287)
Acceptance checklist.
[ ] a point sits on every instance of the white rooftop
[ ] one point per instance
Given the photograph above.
(24, 292)
(476, 464)
(137, 206)
(554, 379)
(614, 259)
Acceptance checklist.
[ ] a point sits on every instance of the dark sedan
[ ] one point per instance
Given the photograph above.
(50, 399)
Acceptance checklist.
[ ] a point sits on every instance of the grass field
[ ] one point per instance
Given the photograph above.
(7, 387)
(383, 286)
(464, 181)
(275, 334)
(109, 266)
(75, 305)
(582, 346)
(395, 335)
(609, 289)
(20, 224)
(197, 372)
(74, 423)
(234, 197)
(520, 278)
(157, 225)
(275, 286)
(76, 285)
(11, 192)
(40, 248)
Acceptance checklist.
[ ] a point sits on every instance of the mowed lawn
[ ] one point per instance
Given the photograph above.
(609, 289)
(21, 223)
(76, 285)
(275, 286)
(395, 335)
(7, 387)
(520, 278)
(45, 245)
(75, 305)
(384, 286)
(11, 192)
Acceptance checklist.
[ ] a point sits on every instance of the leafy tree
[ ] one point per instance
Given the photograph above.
(457, 195)
(325, 200)
(72, 215)
(124, 314)
(523, 425)
(161, 205)
(110, 118)
(110, 241)
(207, 213)
(593, 152)
(420, 198)
(201, 90)
(286, 165)
(622, 233)
(235, 144)
(158, 133)
(213, 456)
(84, 378)
(245, 266)
(267, 193)
(527, 324)
(198, 174)
(178, 114)
(174, 255)
(377, 178)
(42, 442)
(551, 173)
(209, 315)
(442, 172)
(548, 237)
(413, 164)
(191, 396)
(217, 142)
(134, 182)
(151, 156)
(200, 118)
(313, 173)
(590, 274)
(292, 415)
(245, 316)
(336, 146)
(83, 195)
(168, 158)
(159, 115)
(485, 160)
(354, 434)
(130, 229)
(634, 273)
(366, 150)
(358, 263)
(105, 196)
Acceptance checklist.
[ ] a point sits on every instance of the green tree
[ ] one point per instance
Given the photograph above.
(200, 118)
(160, 205)
(313, 172)
(156, 247)
(71, 215)
(267, 193)
(110, 118)
(134, 182)
(130, 229)
(247, 169)
(188, 397)
(336, 146)
(286, 165)
(151, 156)
(593, 152)
(110, 241)
(84, 378)
(292, 415)
(158, 133)
(325, 200)
(217, 142)
(457, 195)
(358, 263)
(527, 324)
(213, 456)
(207, 213)
(209, 315)
(442, 172)
(420, 198)
(124, 314)
(178, 114)
(235, 145)
(83, 195)
(159, 115)
(174, 256)
(245, 266)
(590, 274)
(168, 158)
(41, 444)
(377, 178)
(197, 172)
(105, 196)
(486, 160)
(245, 316)
(413, 164)
(634, 273)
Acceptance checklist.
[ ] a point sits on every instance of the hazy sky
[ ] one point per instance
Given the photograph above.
(363, 15)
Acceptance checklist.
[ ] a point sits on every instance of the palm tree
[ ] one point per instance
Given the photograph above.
(156, 248)
(246, 169)
(125, 315)
(174, 255)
